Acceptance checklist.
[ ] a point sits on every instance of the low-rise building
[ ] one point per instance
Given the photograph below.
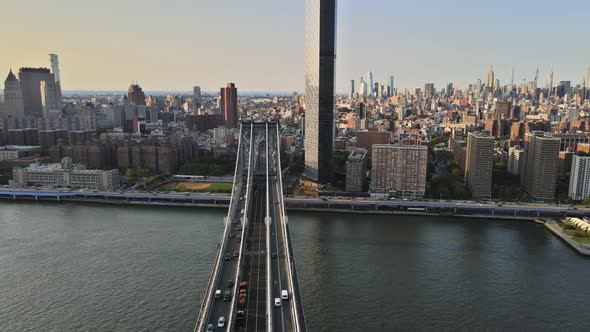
(12, 152)
(65, 174)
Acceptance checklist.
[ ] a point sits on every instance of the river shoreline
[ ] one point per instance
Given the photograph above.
(557, 231)
(549, 225)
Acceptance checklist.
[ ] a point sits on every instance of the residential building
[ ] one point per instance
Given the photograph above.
(579, 188)
(541, 160)
(479, 164)
(229, 106)
(365, 139)
(515, 155)
(399, 170)
(356, 171)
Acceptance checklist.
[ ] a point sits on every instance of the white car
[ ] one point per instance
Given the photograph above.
(221, 322)
(285, 294)
(277, 302)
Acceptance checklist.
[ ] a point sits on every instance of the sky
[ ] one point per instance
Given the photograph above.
(258, 44)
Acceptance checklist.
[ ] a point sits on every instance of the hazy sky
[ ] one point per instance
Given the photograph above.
(258, 44)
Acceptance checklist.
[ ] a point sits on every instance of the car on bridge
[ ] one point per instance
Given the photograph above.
(221, 322)
(277, 302)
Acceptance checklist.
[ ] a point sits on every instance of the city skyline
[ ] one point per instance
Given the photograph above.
(409, 47)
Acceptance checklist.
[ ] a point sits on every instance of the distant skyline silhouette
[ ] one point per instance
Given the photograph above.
(258, 44)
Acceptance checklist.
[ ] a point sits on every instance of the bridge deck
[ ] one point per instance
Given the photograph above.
(263, 267)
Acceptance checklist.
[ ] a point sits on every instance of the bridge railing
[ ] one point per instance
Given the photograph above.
(214, 277)
(296, 307)
(247, 196)
(267, 222)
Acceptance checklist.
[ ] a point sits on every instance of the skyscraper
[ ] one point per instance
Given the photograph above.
(362, 88)
(480, 164)
(229, 105)
(429, 90)
(371, 82)
(490, 82)
(351, 88)
(320, 58)
(136, 95)
(55, 68)
(539, 171)
(13, 97)
(549, 85)
(30, 81)
(391, 82)
(197, 97)
(49, 100)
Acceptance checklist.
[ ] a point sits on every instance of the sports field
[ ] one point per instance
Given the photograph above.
(198, 187)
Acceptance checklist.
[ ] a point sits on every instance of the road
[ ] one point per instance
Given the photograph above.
(221, 307)
(344, 203)
(283, 315)
(254, 267)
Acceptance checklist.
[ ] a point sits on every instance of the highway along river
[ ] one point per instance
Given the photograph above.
(109, 268)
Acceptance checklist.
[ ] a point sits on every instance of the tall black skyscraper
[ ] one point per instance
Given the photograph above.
(320, 58)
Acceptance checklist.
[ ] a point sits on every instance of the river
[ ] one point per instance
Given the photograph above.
(73, 267)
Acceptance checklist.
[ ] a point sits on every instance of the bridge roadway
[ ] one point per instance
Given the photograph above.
(254, 270)
(280, 266)
(228, 268)
(256, 266)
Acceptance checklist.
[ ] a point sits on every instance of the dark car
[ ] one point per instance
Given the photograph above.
(227, 257)
(230, 283)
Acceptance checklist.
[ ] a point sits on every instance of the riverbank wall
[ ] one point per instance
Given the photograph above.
(557, 231)
(548, 223)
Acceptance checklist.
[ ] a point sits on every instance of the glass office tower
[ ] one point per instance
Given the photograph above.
(320, 58)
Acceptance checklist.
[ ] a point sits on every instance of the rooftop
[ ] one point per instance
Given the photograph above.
(19, 147)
